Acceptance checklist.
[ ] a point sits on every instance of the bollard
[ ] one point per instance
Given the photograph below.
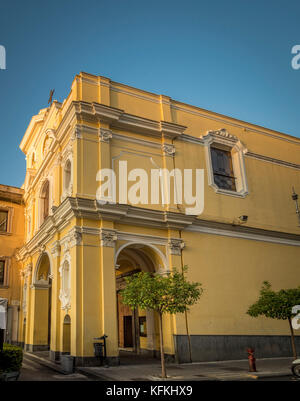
(251, 359)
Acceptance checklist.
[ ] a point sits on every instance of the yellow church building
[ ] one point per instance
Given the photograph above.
(235, 229)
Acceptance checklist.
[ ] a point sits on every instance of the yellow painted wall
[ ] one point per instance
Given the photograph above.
(8, 245)
(230, 269)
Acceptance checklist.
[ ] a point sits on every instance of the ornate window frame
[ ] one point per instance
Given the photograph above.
(67, 190)
(7, 264)
(67, 156)
(10, 213)
(223, 140)
(65, 287)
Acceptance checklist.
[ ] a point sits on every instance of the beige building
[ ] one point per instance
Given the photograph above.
(11, 239)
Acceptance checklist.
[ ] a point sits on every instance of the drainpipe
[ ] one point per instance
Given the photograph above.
(182, 264)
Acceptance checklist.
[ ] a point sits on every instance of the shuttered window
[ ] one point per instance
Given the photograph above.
(222, 169)
(3, 220)
(2, 271)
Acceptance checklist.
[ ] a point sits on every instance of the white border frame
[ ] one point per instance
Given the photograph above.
(237, 149)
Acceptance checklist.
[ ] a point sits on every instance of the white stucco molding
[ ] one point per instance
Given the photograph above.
(55, 249)
(67, 157)
(147, 242)
(108, 237)
(65, 275)
(73, 238)
(221, 138)
(76, 133)
(105, 135)
(168, 149)
(175, 246)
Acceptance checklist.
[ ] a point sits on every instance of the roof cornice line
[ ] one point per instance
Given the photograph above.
(126, 214)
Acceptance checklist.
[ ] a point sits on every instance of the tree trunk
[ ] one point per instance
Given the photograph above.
(162, 353)
(292, 339)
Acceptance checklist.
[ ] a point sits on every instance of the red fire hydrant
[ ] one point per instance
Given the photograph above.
(251, 359)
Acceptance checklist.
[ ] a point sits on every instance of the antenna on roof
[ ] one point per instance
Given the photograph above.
(51, 96)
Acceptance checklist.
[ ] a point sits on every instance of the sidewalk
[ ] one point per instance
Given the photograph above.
(202, 371)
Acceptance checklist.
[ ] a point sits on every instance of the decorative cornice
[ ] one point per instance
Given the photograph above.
(90, 209)
(117, 118)
(272, 160)
(220, 135)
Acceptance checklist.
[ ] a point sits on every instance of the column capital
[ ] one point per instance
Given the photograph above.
(55, 249)
(175, 246)
(108, 237)
(105, 135)
(168, 149)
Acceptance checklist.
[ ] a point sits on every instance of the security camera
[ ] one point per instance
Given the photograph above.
(243, 218)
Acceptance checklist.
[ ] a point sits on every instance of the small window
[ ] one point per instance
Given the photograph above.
(44, 202)
(2, 271)
(3, 220)
(67, 173)
(143, 326)
(222, 169)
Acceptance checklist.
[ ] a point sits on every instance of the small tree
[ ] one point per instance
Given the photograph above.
(163, 294)
(277, 305)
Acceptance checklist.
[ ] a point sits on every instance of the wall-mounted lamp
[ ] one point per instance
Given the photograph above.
(243, 218)
(240, 220)
(295, 198)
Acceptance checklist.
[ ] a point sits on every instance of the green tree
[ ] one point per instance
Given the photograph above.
(163, 294)
(277, 305)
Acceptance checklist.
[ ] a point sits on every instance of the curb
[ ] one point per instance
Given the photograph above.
(239, 377)
(93, 376)
(44, 362)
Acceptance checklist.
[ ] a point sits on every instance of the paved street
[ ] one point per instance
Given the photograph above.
(33, 371)
(37, 368)
(280, 379)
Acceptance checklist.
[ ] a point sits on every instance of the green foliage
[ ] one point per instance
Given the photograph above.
(164, 294)
(11, 358)
(275, 305)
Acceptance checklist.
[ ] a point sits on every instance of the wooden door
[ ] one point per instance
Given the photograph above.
(128, 340)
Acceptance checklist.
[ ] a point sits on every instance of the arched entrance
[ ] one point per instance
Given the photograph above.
(42, 296)
(138, 330)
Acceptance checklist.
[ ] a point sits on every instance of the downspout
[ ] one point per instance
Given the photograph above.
(182, 264)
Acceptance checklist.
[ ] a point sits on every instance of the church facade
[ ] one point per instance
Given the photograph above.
(78, 250)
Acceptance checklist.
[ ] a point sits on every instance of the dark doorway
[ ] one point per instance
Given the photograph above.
(128, 339)
(49, 311)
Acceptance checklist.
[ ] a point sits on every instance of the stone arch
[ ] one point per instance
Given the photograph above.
(40, 308)
(130, 258)
(155, 250)
(43, 266)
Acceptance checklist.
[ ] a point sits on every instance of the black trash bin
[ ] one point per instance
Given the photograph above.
(98, 350)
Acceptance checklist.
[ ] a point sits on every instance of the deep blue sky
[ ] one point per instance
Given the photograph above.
(232, 57)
